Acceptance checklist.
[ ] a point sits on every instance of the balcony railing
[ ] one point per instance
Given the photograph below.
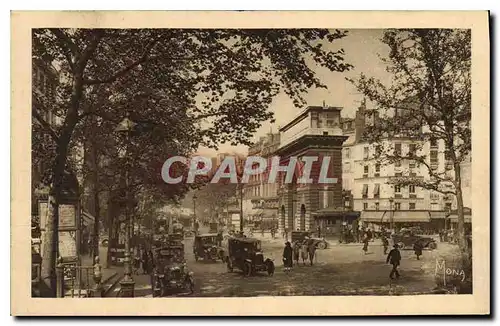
(332, 131)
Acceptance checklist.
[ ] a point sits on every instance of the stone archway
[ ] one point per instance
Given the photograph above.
(302, 217)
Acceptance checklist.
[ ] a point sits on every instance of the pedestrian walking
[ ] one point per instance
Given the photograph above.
(311, 248)
(145, 261)
(296, 252)
(219, 238)
(319, 231)
(366, 239)
(417, 247)
(394, 258)
(287, 257)
(385, 243)
(369, 233)
(304, 252)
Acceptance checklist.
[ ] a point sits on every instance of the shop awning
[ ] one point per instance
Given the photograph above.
(411, 216)
(454, 218)
(372, 216)
(335, 212)
(87, 218)
(437, 214)
(269, 213)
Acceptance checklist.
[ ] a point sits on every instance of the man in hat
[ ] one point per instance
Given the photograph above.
(287, 256)
(394, 258)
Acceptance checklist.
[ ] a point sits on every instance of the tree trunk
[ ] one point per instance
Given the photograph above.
(111, 227)
(462, 242)
(50, 248)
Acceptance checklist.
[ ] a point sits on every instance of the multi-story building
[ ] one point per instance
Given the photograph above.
(316, 131)
(263, 195)
(384, 203)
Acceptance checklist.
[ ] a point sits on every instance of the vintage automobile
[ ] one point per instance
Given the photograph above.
(246, 255)
(301, 235)
(205, 246)
(213, 227)
(171, 273)
(406, 238)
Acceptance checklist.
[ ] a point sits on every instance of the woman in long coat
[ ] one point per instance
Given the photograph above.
(287, 256)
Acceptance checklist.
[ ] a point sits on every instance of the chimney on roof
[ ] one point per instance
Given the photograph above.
(324, 104)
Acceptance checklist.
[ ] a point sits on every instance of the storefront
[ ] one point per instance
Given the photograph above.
(333, 220)
(399, 219)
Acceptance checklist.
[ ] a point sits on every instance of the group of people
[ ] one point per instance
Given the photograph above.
(143, 260)
(305, 249)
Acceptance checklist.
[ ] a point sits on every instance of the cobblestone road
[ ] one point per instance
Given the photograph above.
(341, 270)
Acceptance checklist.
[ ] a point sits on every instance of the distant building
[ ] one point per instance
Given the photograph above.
(263, 195)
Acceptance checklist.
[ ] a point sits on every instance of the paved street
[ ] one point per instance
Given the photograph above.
(341, 270)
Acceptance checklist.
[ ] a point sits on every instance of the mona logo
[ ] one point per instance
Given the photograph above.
(442, 270)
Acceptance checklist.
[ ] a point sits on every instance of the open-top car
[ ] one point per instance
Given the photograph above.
(171, 273)
(301, 236)
(406, 238)
(206, 246)
(246, 255)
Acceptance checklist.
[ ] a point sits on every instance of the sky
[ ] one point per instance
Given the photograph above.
(363, 49)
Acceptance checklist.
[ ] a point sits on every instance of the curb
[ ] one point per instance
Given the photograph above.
(112, 285)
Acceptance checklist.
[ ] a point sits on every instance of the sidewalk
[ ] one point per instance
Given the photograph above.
(108, 274)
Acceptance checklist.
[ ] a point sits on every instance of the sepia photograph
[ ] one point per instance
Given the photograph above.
(221, 161)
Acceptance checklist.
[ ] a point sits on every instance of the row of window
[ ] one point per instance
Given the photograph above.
(397, 206)
(376, 190)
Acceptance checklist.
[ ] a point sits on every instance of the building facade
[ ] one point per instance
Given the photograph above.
(316, 131)
(383, 203)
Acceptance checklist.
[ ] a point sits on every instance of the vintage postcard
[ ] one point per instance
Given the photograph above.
(250, 163)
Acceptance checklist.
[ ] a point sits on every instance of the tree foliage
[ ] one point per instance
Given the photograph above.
(185, 88)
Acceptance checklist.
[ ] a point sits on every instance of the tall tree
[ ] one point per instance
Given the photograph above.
(214, 85)
(428, 100)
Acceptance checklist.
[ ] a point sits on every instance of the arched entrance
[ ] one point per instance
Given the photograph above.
(282, 217)
(302, 217)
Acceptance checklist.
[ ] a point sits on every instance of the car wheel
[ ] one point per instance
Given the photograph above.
(247, 269)
(432, 245)
(270, 268)
(401, 245)
(229, 265)
(105, 243)
(321, 245)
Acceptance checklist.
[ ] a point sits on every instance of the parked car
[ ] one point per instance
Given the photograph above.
(246, 255)
(206, 247)
(301, 235)
(405, 239)
(171, 273)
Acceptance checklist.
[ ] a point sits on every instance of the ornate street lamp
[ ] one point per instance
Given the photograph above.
(127, 284)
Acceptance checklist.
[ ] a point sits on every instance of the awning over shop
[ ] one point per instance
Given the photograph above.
(454, 218)
(269, 213)
(411, 216)
(373, 216)
(437, 214)
(87, 218)
(335, 212)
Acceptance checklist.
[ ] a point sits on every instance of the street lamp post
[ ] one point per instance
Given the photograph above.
(392, 213)
(127, 284)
